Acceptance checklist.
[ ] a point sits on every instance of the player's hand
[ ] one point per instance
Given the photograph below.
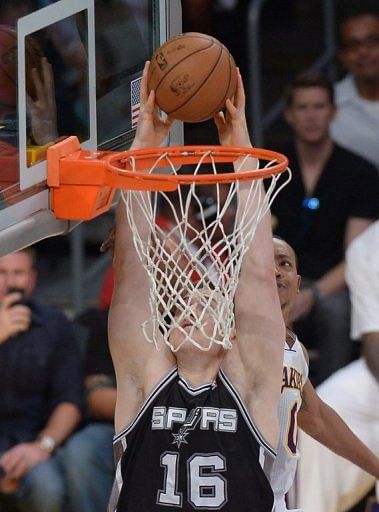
(14, 318)
(43, 111)
(152, 128)
(231, 125)
(20, 459)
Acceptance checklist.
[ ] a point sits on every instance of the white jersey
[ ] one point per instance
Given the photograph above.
(295, 374)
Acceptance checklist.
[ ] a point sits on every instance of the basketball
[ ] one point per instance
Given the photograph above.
(8, 65)
(192, 75)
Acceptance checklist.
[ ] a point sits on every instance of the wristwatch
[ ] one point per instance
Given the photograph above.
(47, 443)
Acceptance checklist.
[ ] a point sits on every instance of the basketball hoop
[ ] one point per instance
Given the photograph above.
(194, 257)
(142, 165)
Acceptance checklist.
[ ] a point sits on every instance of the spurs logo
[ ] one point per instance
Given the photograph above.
(190, 424)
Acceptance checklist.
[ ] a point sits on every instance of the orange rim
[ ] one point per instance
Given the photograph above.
(134, 163)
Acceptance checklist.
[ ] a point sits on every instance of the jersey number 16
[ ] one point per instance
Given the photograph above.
(206, 486)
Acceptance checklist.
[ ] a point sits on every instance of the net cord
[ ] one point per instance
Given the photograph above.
(173, 256)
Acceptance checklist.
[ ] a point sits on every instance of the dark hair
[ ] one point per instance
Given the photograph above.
(352, 9)
(308, 79)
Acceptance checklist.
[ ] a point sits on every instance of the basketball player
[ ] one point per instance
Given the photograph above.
(195, 427)
(299, 403)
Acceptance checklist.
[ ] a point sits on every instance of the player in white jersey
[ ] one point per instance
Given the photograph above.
(299, 404)
(295, 373)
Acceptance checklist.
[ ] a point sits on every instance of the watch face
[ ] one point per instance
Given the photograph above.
(47, 443)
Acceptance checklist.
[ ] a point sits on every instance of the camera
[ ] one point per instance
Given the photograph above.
(21, 301)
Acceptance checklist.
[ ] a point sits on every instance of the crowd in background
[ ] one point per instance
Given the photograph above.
(56, 427)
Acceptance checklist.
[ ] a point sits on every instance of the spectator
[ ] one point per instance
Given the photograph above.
(333, 196)
(337, 485)
(88, 456)
(356, 124)
(40, 379)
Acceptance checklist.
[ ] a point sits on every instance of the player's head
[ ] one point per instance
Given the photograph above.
(359, 41)
(287, 278)
(310, 106)
(195, 319)
(17, 270)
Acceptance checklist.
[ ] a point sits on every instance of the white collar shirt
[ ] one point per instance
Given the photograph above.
(356, 124)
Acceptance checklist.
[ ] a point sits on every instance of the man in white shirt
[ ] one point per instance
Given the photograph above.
(353, 392)
(356, 124)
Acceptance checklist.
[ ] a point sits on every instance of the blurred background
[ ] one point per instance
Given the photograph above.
(271, 41)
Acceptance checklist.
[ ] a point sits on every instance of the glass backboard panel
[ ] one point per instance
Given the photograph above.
(123, 43)
(56, 86)
(100, 105)
(126, 36)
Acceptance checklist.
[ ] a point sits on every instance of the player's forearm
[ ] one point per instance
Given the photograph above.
(337, 436)
(247, 201)
(126, 259)
(258, 262)
(257, 273)
(245, 165)
(251, 205)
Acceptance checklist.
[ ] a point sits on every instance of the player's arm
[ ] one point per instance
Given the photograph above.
(322, 423)
(260, 329)
(132, 355)
(259, 321)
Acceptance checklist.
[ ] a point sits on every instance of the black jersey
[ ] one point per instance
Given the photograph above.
(192, 449)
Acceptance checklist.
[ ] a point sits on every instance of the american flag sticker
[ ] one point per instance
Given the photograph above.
(135, 90)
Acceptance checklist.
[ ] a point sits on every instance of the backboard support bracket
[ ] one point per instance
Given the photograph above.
(77, 191)
(81, 186)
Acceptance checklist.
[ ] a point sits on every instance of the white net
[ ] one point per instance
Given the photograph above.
(193, 253)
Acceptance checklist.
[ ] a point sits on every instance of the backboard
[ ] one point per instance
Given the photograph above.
(95, 52)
